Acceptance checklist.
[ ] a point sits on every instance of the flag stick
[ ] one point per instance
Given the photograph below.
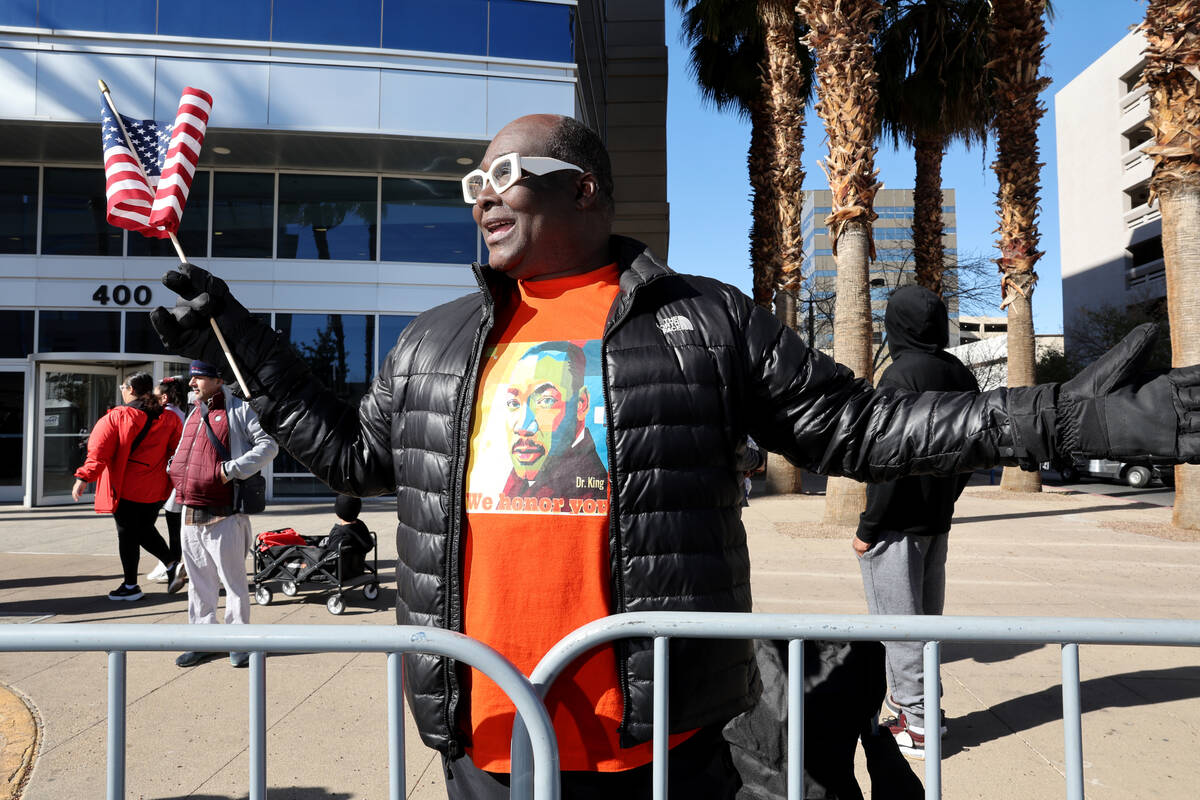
(237, 373)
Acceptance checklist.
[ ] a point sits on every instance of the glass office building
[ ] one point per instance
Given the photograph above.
(327, 192)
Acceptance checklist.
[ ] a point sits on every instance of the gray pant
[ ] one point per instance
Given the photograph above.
(215, 556)
(906, 575)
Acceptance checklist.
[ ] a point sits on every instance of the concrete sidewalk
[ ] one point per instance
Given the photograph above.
(1053, 554)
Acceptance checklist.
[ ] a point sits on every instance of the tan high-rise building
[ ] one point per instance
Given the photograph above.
(892, 268)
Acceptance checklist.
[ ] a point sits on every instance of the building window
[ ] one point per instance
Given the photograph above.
(1137, 195)
(216, 19)
(426, 220)
(1146, 252)
(448, 26)
(193, 229)
(20, 13)
(327, 216)
(339, 348)
(353, 23)
(1137, 136)
(540, 31)
(18, 209)
(73, 214)
(1130, 80)
(16, 334)
(140, 336)
(79, 331)
(390, 328)
(122, 16)
(242, 214)
(12, 427)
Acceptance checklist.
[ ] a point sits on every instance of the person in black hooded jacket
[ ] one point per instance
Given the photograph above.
(901, 538)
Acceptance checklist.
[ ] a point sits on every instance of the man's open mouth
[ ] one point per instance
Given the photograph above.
(497, 229)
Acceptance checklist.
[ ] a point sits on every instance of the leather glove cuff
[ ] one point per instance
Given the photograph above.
(1032, 420)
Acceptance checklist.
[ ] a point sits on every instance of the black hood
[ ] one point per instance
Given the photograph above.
(916, 319)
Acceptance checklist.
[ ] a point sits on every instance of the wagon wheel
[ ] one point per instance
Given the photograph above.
(336, 604)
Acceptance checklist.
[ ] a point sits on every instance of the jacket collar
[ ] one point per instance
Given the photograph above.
(636, 264)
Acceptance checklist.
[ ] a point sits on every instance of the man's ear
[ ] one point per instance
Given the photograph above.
(587, 191)
(581, 409)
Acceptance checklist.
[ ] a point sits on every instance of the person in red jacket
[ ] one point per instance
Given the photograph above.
(127, 453)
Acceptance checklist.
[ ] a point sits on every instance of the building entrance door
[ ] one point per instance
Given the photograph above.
(71, 397)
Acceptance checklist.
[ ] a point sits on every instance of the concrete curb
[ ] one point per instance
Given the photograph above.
(20, 735)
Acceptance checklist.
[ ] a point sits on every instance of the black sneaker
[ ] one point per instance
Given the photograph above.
(124, 592)
(192, 658)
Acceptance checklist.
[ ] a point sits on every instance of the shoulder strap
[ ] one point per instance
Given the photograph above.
(142, 433)
(222, 450)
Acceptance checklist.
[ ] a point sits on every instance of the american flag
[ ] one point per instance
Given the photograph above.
(150, 199)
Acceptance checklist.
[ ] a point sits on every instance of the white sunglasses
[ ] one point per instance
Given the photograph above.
(507, 170)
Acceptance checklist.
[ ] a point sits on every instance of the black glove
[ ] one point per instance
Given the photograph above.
(1113, 410)
(186, 330)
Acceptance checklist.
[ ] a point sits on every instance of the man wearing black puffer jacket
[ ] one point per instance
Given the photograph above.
(679, 370)
(901, 538)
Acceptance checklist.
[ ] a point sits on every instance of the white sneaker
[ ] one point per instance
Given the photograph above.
(158, 574)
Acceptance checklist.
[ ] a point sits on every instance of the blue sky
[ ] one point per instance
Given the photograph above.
(709, 191)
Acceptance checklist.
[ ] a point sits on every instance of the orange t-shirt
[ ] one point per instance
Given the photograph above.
(536, 555)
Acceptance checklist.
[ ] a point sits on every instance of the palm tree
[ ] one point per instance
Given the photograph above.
(931, 60)
(840, 33)
(727, 54)
(1172, 29)
(789, 71)
(746, 55)
(1018, 38)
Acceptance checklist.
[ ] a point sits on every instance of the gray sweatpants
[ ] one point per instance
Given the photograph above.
(215, 555)
(906, 575)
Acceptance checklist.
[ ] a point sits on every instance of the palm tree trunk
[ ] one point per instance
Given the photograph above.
(1181, 253)
(845, 498)
(1018, 41)
(840, 33)
(1022, 358)
(764, 229)
(785, 92)
(928, 252)
(786, 85)
(1172, 29)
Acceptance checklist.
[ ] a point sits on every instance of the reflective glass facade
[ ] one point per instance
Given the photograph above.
(524, 29)
(390, 327)
(327, 216)
(79, 331)
(16, 333)
(337, 217)
(426, 220)
(73, 212)
(18, 209)
(243, 204)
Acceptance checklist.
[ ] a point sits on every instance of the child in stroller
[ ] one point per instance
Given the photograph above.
(331, 563)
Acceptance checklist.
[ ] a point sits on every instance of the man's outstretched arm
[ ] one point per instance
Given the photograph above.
(818, 415)
(345, 446)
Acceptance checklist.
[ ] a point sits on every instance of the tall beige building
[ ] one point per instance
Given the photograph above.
(1110, 236)
(892, 268)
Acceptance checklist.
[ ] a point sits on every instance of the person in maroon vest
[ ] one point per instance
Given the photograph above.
(221, 442)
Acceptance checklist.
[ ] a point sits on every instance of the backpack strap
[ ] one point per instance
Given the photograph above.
(221, 449)
(141, 434)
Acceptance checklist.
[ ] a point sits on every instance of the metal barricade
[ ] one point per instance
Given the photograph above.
(1069, 632)
(258, 640)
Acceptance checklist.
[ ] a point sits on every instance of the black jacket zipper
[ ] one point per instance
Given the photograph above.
(614, 503)
(462, 424)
